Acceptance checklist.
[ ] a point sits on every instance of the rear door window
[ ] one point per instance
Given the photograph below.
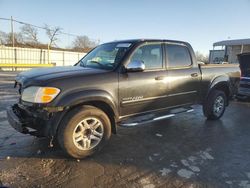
(178, 56)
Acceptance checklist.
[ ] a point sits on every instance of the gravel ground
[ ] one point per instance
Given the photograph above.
(184, 151)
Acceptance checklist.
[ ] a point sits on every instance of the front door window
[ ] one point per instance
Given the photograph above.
(150, 55)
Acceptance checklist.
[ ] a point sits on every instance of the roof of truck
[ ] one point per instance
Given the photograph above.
(150, 40)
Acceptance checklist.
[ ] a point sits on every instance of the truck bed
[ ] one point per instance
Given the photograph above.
(211, 71)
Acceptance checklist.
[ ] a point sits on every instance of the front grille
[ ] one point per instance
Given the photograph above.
(17, 111)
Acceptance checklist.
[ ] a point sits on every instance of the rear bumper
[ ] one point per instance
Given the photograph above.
(244, 87)
(244, 91)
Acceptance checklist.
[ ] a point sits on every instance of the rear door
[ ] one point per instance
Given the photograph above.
(144, 91)
(183, 75)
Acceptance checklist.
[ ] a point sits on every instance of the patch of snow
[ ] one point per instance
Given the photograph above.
(229, 182)
(205, 155)
(156, 154)
(192, 158)
(194, 168)
(184, 162)
(159, 135)
(165, 171)
(150, 158)
(185, 173)
(224, 175)
(243, 183)
(174, 165)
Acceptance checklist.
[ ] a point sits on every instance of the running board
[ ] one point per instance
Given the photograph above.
(132, 124)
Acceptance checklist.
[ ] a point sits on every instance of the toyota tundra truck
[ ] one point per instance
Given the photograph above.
(115, 84)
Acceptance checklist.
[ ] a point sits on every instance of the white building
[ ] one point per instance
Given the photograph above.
(229, 49)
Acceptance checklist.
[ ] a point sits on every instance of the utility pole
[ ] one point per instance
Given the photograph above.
(12, 32)
(13, 39)
(48, 52)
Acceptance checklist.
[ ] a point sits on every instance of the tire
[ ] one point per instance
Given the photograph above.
(84, 131)
(215, 105)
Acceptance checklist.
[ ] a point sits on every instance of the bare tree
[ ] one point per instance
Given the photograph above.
(18, 38)
(52, 33)
(201, 57)
(6, 38)
(30, 34)
(3, 38)
(82, 42)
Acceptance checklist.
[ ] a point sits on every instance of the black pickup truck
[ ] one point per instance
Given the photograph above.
(80, 106)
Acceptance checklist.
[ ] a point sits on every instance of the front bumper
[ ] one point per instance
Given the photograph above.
(16, 122)
(29, 121)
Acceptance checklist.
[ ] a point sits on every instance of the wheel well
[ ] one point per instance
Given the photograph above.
(105, 108)
(223, 87)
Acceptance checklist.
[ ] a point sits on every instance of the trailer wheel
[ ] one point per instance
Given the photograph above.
(215, 105)
(84, 131)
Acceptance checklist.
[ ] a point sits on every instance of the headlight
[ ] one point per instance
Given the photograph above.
(36, 94)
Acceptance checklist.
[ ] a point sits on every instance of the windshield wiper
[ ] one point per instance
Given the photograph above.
(96, 62)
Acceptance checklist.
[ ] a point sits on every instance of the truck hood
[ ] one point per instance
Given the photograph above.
(41, 75)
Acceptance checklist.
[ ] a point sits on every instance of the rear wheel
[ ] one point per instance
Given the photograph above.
(84, 131)
(215, 105)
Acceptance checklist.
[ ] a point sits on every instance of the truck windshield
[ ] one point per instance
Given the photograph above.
(105, 56)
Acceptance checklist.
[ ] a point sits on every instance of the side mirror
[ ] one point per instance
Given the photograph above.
(135, 66)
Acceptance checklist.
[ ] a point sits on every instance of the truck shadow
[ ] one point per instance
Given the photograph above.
(144, 140)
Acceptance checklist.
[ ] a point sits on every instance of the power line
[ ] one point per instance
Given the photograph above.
(5, 19)
(40, 27)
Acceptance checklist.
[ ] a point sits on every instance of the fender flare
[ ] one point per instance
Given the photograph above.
(222, 80)
(77, 98)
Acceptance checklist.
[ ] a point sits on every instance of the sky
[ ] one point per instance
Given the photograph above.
(199, 22)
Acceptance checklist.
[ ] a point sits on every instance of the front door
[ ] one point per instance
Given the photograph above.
(144, 91)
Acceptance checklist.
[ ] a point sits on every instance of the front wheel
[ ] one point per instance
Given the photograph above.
(215, 105)
(84, 131)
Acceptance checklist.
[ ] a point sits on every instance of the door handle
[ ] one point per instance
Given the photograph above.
(194, 74)
(159, 78)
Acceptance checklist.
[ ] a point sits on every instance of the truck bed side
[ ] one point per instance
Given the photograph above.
(225, 76)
